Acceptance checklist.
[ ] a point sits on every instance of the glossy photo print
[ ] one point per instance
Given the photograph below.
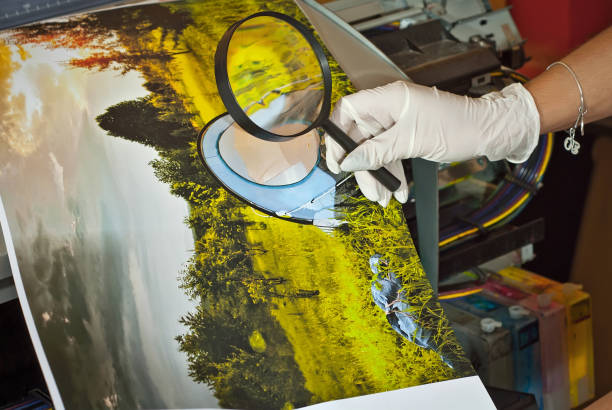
(167, 258)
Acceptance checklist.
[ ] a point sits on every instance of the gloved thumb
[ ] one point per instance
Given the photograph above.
(375, 152)
(360, 159)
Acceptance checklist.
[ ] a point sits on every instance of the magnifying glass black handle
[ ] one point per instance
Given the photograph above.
(382, 175)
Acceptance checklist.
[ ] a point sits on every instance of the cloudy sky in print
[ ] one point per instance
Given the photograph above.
(99, 239)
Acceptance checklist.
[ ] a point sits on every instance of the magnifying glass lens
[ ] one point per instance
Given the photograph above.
(275, 75)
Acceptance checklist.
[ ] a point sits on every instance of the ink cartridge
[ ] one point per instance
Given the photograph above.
(523, 328)
(486, 343)
(553, 343)
(579, 330)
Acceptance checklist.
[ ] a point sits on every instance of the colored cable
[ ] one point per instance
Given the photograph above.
(510, 198)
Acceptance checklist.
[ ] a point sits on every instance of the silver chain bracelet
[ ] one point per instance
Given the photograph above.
(570, 142)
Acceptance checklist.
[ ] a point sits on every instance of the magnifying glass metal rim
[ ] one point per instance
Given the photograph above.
(227, 95)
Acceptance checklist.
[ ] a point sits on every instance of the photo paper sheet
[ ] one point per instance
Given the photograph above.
(167, 260)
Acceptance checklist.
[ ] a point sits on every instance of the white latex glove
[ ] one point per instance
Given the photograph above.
(404, 120)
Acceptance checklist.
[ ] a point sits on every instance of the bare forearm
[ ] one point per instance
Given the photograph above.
(555, 91)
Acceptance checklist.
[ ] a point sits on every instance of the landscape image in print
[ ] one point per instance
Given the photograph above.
(150, 284)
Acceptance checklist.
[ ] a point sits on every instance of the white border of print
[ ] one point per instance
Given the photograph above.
(27, 313)
(465, 393)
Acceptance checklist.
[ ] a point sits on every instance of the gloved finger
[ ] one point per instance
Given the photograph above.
(376, 105)
(402, 194)
(334, 153)
(376, 152)
(353, 115)
(397, 169)
(367, 126)
(371, 188)
(343, 114)
(375, 191)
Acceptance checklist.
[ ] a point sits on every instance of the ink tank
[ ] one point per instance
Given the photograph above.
(553, 342)
(486, 343)
(579, 330)
(524, 331)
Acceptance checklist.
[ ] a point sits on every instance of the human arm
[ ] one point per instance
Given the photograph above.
(556, 93)
(404, 120)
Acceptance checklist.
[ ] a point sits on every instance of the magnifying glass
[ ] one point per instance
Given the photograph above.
(275, 82)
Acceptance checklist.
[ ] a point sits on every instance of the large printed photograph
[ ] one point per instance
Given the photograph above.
(171, 260)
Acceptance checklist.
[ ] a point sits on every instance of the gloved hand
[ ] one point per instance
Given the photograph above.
(404, 120)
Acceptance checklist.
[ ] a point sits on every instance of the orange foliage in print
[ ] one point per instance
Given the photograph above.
(54, 35)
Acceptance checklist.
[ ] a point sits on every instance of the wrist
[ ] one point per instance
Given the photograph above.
(514, 124)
